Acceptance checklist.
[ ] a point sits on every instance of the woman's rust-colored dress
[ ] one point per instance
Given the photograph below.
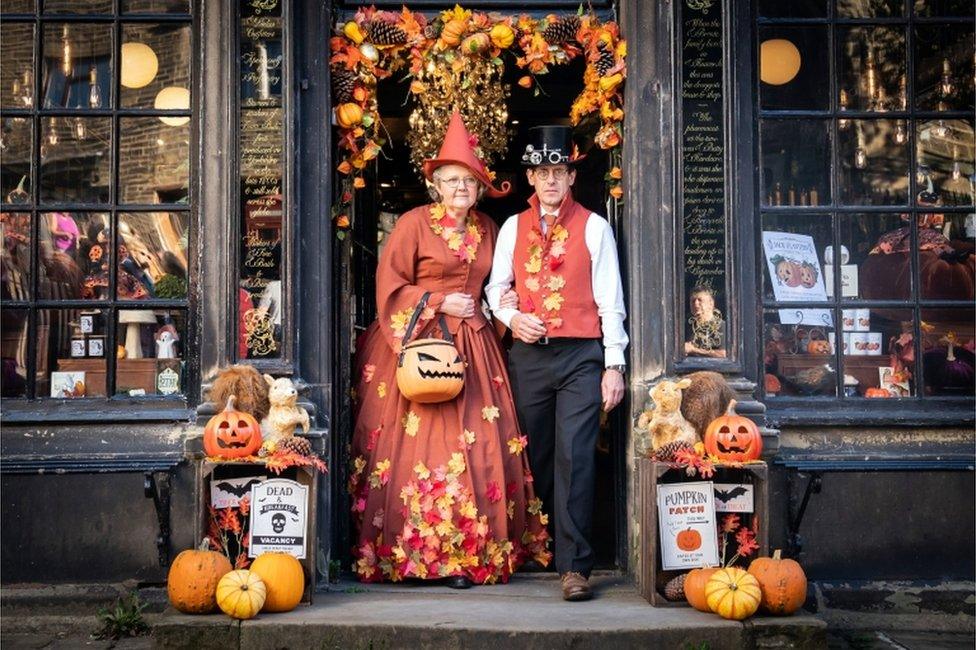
(441, 489)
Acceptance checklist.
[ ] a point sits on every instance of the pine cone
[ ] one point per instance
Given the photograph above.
(674, 590)
(381, 32)
(296, 445)
(343, 82)
(668, 452)
(432, 30)
(606, 60)
(562, 30)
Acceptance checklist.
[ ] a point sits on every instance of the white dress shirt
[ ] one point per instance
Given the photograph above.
(608, 290)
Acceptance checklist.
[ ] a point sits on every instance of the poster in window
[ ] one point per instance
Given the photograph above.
(686, 525)
(794, 267)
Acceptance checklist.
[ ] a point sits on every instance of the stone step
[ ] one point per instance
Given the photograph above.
(526, 613)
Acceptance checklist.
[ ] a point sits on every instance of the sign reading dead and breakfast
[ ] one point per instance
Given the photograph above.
(686, 525)
(279, 510)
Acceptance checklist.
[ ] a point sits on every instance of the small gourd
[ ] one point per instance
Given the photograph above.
(241, 594)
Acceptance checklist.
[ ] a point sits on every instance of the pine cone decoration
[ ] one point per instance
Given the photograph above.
(606, 61)
(668, 452)
(296, 445)
(562, 30)
(381, 32)
(343, 82)
(432, 30)
(674, 590)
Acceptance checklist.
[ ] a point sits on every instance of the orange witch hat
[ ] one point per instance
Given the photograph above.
(458, 149)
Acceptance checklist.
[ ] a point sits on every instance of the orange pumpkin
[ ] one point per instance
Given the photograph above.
(733, 593)
(232, 434)
(689, 539)
(453, 31)
(476, 43)
(877, 392)
(283, 579)
(695, 583)
(733, 437)
(348, 115)
(192, 580)
(430, 371)
(782, 581)
(818, 346)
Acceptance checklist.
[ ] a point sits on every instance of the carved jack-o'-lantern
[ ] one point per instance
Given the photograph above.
(430, 371)
(733, 437)
(231, 433)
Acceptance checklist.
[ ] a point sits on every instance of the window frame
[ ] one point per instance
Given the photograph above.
(836, 409)
(120, 408)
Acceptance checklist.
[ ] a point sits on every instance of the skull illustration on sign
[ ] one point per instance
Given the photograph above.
(278, 523)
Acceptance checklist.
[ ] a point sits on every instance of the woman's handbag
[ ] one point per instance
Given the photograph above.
(429, 370)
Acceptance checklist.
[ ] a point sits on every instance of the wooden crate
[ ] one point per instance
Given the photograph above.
(650, 577)
(306, 476)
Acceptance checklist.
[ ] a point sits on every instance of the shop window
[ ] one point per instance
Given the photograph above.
(96, 211)
(867, 229)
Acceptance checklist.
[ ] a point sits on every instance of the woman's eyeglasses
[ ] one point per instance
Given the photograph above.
(454, 181)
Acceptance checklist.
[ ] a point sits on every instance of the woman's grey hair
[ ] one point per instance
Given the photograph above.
(435, 194)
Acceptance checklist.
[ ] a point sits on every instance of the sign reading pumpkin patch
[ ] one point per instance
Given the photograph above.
(686, 515)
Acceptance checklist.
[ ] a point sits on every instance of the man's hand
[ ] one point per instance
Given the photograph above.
(509, 300)
(612, 389)
(460, 305)
(527, 328)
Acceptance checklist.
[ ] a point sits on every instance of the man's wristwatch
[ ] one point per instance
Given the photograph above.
(622, 369)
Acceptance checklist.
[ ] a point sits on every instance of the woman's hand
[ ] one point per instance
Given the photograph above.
(460, 305)
(509, 300)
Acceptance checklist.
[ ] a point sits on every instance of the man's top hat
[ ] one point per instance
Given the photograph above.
(550, 145)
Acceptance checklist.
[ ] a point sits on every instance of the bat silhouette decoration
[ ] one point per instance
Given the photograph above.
(237, 490)
(725, 497)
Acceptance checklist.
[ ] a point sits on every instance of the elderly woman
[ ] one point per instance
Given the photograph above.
(441, 490)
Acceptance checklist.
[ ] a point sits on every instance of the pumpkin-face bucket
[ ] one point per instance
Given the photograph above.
(430, 371)
(231, 433)
(733, 437)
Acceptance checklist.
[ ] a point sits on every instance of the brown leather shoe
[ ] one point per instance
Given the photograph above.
(576, 587)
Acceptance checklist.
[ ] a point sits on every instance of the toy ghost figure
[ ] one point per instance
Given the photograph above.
(166, 339)
(285, 414)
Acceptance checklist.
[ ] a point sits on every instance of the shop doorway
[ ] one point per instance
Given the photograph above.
(394, 186)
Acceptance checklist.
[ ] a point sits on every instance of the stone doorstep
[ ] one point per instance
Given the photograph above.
(526, 613)
(74, 600)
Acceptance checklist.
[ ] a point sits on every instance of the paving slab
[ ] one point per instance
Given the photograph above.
(526, 613)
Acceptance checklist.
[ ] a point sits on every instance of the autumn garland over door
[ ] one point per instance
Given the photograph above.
(455, 60)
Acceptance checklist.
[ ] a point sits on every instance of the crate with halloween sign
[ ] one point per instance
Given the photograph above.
(694, 514)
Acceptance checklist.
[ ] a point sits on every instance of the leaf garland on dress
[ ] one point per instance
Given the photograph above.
(464, 246)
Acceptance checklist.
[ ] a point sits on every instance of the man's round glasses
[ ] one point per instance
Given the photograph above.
(454, 181)
(559, 173)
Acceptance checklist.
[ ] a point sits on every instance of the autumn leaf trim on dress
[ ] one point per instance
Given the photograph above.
(464, 247)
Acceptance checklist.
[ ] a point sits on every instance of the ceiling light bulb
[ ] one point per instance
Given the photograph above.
(860, 158)
(66, 64)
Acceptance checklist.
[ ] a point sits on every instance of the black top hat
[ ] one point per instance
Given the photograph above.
(550, 145)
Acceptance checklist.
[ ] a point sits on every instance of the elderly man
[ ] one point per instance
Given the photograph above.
(706, 329)
(568, 357)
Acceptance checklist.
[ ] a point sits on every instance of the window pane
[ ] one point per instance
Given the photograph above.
(155, 6)
(947, 243)
(18, 6)
(797, 353)
(154, 57)
(75, 159)
(944, 67)
(868, 336)
(871, 63)
(876, 262)
(873, 165)
(17, 71)
(947, 351)
(794, 9)
(946, 162)
(150, 361)
(934, 8)
(77, 70)
(152, 255)
(15, 268)
(78, 6)
(795, 156)
(793, 247)
(870, 8)
(75, 251)
(13, 352)
(71, 352)
(16, 141)
(154, 160)
(793, 68)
